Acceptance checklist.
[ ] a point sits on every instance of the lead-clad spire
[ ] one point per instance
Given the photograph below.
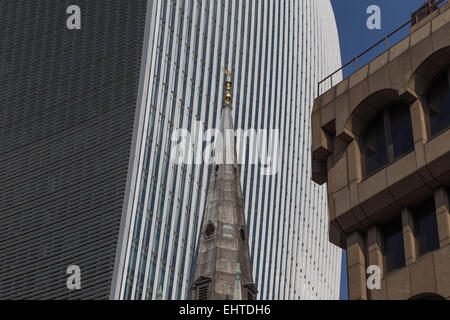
(223, 267)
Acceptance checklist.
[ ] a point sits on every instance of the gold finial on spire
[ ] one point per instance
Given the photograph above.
(228, 84)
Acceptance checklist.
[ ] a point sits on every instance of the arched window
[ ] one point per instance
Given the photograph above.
(427, 296)
(438, 103)
(388, 137)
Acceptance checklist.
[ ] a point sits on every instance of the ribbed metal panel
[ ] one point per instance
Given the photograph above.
(277, 51)
(67, 107)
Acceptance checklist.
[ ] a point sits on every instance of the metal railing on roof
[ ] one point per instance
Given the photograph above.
(425, 10)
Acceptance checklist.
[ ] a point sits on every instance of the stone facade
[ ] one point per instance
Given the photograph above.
(359, 204)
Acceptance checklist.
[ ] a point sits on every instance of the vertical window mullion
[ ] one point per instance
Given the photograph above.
(388, 136)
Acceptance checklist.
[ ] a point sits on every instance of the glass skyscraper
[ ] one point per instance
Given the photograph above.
(86, 123)
(277, 51)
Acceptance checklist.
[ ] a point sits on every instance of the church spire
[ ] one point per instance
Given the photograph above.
(223, 268)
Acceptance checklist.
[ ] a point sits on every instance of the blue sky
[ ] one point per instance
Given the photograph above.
(355, 37)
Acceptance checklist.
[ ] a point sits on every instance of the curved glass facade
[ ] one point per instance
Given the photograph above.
(277, 51)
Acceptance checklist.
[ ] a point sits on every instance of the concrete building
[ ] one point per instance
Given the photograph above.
(381, 140)
(86, 121)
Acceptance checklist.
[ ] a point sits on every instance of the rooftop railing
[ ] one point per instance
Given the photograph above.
(426, 9)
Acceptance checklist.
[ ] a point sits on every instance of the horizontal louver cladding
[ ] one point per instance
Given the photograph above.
(67, 108)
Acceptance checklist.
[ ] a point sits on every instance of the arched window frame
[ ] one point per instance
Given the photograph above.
(427, 108)
(390, 155)
(427, 296)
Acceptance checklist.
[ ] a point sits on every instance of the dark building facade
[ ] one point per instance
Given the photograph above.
(67, 111)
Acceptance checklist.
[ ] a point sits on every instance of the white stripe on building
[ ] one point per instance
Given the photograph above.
(277, 51)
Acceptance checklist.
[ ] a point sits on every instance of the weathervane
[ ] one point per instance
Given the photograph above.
(227, 72)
